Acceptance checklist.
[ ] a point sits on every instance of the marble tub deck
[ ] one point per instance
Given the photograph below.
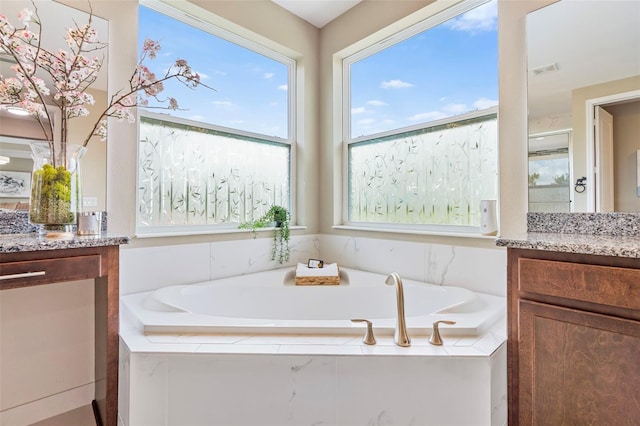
(188, 343)
(289, 380)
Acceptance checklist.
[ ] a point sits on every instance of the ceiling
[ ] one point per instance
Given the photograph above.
(317, 12)
(588, 42)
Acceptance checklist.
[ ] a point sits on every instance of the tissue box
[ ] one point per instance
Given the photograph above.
(328, 275)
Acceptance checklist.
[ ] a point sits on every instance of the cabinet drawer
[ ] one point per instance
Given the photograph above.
(606, 285)
(33, 272)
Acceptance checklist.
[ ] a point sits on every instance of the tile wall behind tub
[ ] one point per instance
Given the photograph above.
(478, 269)
(150, 268)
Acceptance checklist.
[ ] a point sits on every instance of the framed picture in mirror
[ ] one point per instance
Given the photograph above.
(15, 184)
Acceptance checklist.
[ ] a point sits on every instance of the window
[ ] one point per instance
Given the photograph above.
(226, 155)
(549, 182)
(421, 123)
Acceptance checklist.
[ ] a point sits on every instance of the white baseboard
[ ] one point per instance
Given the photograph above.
(49, 406)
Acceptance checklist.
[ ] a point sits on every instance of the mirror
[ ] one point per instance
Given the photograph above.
(584, 66)
(16, 132)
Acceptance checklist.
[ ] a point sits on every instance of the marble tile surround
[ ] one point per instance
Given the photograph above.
(208, 379)
(478, 269)
(310, 390)
(294, 380)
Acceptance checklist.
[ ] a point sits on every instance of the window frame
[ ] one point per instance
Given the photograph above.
(249, 41)
(403, 34)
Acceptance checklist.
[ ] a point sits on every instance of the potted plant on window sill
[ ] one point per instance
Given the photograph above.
(278, 217)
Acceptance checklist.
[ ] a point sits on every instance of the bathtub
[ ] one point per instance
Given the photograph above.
(269, 302)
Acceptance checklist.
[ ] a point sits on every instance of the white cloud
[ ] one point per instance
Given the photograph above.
(220, 72)
(358, 110)
(428, 116)
(283, 87)
(375, 102)
(196, 117)
(228, 105)
(268, 75)
(456, 108)
(395, 84)
(365, 121)
(484, 103)
(203, 76)
(480, 19)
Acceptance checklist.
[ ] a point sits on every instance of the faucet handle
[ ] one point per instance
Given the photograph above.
(435, 338)
(368, 338)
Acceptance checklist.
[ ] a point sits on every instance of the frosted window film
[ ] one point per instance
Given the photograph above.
(196, 176)
(435, 175)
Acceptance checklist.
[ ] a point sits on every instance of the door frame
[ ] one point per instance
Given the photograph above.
(591, 104)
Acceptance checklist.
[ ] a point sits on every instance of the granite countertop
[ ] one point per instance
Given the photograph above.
(13, 243)
(601, 245)
(601, 234)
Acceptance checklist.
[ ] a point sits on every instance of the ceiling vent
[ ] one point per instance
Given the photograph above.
(545, 69)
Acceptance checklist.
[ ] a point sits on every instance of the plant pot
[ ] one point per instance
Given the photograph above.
(56, 194)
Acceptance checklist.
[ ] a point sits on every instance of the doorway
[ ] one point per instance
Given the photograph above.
(612, 189)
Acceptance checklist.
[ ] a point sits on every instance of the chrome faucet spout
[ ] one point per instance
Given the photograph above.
(401, 337)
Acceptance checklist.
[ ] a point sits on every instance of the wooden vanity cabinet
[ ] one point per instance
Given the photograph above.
(573, 339)
(46, 267)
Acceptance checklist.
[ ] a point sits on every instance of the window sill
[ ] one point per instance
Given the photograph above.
(415, 232)
(192, 232)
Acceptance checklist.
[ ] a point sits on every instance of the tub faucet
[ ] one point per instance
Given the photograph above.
(400, 336)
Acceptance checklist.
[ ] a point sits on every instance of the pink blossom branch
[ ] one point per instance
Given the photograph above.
(118, 98)
(73, 73)
(29, 76)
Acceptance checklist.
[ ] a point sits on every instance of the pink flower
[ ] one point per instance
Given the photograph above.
(151, 47)
(25, 16)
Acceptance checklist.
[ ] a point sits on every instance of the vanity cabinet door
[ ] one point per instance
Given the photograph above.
(577, 367)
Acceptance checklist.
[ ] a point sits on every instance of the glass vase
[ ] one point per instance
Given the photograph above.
(56, 195)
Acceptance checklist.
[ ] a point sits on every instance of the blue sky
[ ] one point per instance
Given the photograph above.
(250, 89)
(444, 71)
(447, 70)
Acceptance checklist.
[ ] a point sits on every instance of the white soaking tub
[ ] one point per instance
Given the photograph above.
(269, 302)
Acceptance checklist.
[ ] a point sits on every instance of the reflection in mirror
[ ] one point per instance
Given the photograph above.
(549, 185)
(583, 55)
(16, 132)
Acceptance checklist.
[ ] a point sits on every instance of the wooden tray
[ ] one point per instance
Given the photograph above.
(329, 280)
